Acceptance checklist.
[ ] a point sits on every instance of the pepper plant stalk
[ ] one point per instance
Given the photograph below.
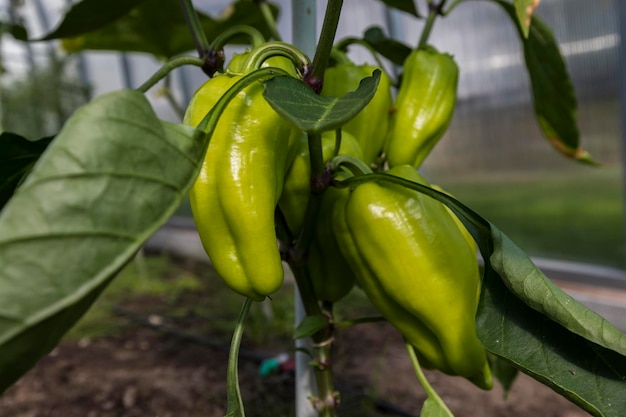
(434, 10)
(325, 45)
(202, 43)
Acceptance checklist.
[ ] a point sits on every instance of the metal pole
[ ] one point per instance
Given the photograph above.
(621, 12)
(126, 71)
(304, 34)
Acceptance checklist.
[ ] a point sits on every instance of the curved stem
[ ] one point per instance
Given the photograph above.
(269, 49)
(167, 68)
(325, 44)
(235, 403)
(256, 37)
(356, 166)
(337, 142)
(432, 394)
(268, 16)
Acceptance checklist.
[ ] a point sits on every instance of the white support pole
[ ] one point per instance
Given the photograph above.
(304, 28)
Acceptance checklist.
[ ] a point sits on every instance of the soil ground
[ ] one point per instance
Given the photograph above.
(139, 371)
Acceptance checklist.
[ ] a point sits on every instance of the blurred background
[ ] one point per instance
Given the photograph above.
(493, 157)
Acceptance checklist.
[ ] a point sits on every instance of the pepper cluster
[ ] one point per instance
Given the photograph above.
(407, 252)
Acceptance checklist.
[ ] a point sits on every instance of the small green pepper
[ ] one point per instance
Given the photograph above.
(423, 108)
(370, 126)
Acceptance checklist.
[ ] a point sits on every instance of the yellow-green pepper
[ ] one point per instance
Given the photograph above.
(416, 267)
(370, 126)
(240, 182)
(423, 107)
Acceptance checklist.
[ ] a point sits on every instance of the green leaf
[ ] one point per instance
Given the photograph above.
(394, 51)
(553, 93)
(504, 372)
(309, 326)
(89, 15)
(524, 10)
(587, 374)
(529, 284)
(112, 176)
(531, 323)
(407, 6)
(434, 408)
(296, 102)
(17, 31)
(158, 27)
(17, 157)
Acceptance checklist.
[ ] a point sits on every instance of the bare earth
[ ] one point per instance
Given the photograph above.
(144, 373)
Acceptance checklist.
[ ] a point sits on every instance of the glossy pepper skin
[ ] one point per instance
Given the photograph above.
(240, 182)
(423, 108)
(415, 266)
(370, 126)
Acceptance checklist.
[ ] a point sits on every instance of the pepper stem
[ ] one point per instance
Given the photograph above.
(167, 68)
(256, 37)
(432, 394)
(269, 49)
(433, 11)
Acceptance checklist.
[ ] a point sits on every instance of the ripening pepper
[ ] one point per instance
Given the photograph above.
(415, 266)
(423, 107)
(240, 182)
(370, 126)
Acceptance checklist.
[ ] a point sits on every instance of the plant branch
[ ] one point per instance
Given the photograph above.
(195, 27)
(167, 68)
(325, 45)
(428, 26)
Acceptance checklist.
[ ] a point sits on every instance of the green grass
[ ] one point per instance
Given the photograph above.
(576, 216)
(142, 277)
(177, 288)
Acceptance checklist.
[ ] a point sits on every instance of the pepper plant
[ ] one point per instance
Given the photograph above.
(306, 159)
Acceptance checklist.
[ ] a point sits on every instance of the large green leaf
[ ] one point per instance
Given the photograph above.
(112, 176)
(158, 27)
(589, 375)
(89, 15)
(295, 101)
(527, 320)
(553, 93)
(17, 157)
(531, 323)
